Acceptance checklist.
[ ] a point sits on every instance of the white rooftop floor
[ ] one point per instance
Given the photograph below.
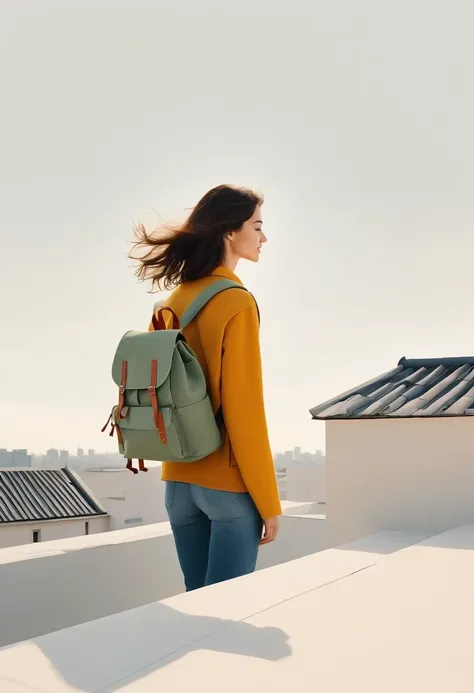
(341, 621)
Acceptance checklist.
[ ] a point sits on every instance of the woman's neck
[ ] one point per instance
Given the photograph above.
(230, 261)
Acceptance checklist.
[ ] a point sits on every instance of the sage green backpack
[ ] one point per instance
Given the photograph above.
(164, 411)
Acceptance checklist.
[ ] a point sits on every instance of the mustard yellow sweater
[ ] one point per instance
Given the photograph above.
(225, 339)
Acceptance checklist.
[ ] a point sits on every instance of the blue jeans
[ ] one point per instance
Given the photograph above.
(216, 533)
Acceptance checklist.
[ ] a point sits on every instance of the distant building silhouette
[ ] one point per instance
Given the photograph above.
(14, 458)
(296, 456)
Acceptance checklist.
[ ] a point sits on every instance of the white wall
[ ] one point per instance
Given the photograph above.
(130, 499)
(398, 474)
(306, 482)
(19, 533)
(45, 587)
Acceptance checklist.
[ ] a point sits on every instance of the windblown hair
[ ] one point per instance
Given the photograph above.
(173, 255)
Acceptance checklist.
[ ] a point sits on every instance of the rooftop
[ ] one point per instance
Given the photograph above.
(415, 388)
(390, 613)
(32, 495)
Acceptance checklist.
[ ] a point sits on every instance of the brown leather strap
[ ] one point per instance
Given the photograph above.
(131, 467)
(157, 414)
(122, 390)
(159, 321)
(106, 424)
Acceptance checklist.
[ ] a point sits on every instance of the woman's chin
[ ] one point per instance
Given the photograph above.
(251, 257)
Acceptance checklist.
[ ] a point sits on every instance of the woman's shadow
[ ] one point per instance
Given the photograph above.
(116, 650)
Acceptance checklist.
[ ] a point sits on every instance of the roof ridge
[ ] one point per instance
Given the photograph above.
(442, 361)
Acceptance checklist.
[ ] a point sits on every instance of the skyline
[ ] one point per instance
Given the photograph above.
(364, 152)
(88, 450)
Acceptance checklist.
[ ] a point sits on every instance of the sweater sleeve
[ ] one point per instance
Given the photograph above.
(244, 411)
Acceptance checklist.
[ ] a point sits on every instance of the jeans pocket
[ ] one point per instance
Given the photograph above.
(169, 493)
(221, 499)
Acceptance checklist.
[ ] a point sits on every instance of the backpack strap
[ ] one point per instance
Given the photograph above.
(159, 322)
(205, 296)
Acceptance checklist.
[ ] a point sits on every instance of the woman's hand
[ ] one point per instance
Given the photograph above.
(270, 530)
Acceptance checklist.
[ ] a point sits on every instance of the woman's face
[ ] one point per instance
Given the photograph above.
(246, 243)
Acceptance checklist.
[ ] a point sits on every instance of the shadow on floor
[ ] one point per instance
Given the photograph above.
(385, 542)
(101, 654)
(459, 537)
(391, 541)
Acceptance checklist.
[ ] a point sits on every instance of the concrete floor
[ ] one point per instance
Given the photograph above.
(374, 616)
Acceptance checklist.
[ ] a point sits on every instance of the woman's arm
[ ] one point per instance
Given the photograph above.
(244, 411)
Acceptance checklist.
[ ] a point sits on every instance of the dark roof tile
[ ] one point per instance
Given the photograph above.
(415, 388)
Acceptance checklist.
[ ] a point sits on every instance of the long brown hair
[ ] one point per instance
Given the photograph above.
(174, 255)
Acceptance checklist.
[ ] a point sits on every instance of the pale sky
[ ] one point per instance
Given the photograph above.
(354, 118)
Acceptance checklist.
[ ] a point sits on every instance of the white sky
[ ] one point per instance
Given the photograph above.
(354, 118)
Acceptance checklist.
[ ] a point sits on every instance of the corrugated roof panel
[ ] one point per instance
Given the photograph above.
(416, 388)
(77, 503)
(28, 495)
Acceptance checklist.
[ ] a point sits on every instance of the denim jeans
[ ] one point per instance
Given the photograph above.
(216, 533)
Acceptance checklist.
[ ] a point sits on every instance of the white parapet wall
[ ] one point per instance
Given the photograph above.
(53, 585)
(396, 474)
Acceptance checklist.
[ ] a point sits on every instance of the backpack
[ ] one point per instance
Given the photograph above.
(164, 411)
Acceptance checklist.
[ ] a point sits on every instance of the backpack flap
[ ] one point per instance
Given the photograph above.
(141, 369)
(138, 350)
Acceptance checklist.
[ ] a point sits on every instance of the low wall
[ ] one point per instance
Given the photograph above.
(53, 585)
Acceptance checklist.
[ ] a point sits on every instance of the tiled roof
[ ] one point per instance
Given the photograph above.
(415, 388)
(35, 495)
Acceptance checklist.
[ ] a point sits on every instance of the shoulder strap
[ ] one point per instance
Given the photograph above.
(205, 296)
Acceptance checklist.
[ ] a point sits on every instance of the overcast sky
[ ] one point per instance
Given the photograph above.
(354, 118)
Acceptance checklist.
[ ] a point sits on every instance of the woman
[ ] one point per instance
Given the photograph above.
(224, 506)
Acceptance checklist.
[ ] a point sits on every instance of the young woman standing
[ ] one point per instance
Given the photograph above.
(223, 507)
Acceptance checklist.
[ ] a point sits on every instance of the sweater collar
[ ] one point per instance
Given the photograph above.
(226, 274)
